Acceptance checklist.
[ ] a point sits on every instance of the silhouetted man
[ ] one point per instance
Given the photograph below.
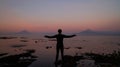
(60, 46)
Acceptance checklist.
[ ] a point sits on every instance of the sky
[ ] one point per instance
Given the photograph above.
(50, 15)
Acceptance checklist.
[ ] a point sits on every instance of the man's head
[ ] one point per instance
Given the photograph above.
(59, 30)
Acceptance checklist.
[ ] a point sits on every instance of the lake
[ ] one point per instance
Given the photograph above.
(45, 49)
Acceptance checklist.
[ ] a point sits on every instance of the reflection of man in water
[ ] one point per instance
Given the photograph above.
(60, 46)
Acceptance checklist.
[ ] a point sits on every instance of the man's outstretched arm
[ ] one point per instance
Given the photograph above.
(69, 36)
(50, 36)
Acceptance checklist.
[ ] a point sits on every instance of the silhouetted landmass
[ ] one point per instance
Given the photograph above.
(78, 47)
(4, 37)
(91, 60)
(112, 59)
(84, 32)
(23, 37)
(91, 32)
(24, 40)
(47, 47)
(68, 61)
(24, 32)
(2, 54)
(18, 45)
(20, 60)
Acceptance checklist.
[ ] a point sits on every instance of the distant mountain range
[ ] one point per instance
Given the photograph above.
(91, 32)
(85, 32)
(23, 32)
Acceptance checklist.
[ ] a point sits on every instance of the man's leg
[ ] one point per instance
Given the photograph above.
(62, 52)
(57, 54)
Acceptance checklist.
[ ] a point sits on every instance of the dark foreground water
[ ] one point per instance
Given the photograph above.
(44, 49)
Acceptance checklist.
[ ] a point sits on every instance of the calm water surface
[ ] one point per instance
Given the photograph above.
(46, 57)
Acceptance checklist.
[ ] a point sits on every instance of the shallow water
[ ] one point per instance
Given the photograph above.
(46, 56)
